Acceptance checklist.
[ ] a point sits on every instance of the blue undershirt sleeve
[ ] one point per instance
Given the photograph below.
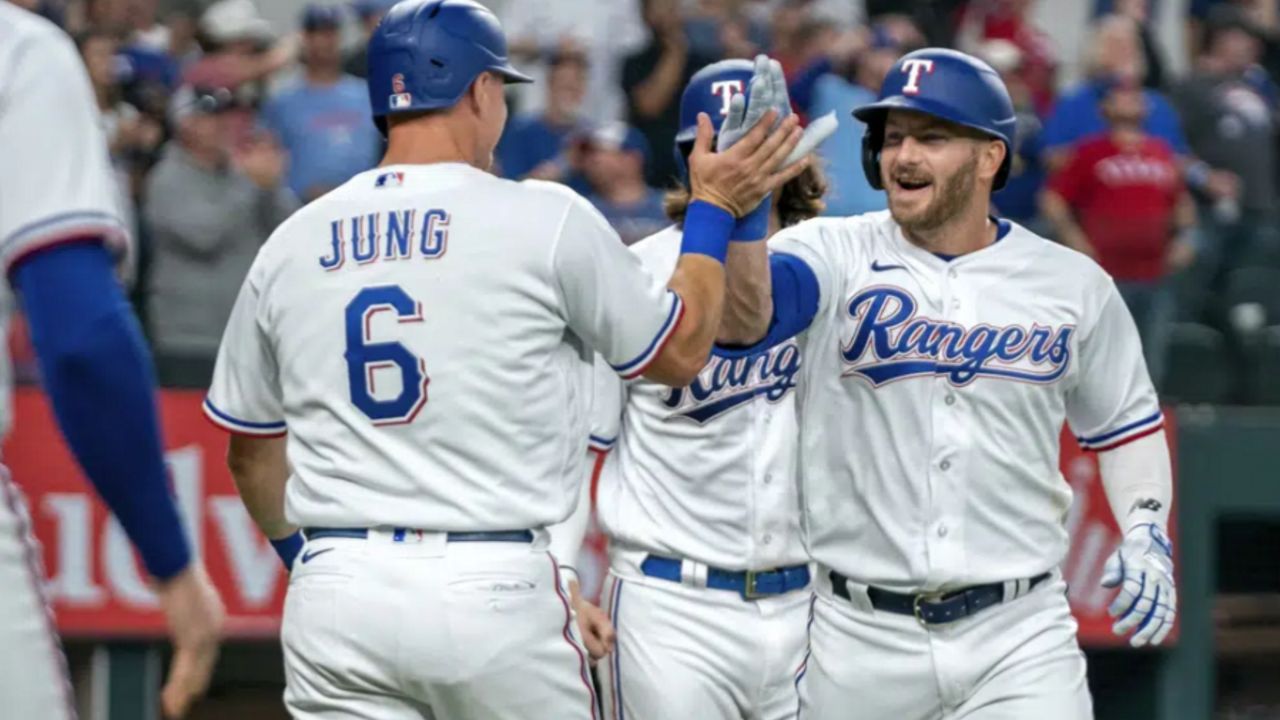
(795, 303)
(98, 376)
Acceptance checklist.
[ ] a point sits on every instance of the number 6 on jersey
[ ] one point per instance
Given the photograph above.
(365, 358)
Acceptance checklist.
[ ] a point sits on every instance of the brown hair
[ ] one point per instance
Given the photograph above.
(799, 200)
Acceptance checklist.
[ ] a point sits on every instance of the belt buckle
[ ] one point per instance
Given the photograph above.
(749, 591)
(915, 606)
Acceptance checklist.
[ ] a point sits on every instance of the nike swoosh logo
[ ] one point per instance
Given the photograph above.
(877, 267)
(309, 556)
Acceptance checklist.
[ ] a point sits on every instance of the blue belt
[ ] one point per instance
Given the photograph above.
(751, 584)
(398, 534)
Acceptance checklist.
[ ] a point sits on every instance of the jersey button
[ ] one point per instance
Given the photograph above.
(768, 479)
(955, 304)
(954, 274)
(766, 539)
(942, 530)
(945, 465)
(951, 399)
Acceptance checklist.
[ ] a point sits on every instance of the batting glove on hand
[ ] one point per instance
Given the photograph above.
(1142, 567)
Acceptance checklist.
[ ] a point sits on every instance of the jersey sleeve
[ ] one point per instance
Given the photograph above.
(1113, 401)
(57, 184)
(608, 399)
(245, 396)
(807, 244)
(609, 299)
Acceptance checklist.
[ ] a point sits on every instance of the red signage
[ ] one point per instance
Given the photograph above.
(99, 589)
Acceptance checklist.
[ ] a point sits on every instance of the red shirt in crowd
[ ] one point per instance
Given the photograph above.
(1125, 201)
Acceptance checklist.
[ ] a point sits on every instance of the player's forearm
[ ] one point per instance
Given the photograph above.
(260, 469)
(699, 281)
(748, 304)
(568, 534)
(1138, 479)
(97, 374)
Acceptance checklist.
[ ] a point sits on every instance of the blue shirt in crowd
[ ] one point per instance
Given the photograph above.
(1078, 114)
(634, 222)
(529, 141)
(327, 132)
(849, 193)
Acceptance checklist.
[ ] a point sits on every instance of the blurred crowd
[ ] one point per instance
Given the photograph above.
(220, 125)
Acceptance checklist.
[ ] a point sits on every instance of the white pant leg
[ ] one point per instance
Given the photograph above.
(1013, 661)
(866, 666)
(33, 672)
(1033, 666)
(457, 631)
(687, 652)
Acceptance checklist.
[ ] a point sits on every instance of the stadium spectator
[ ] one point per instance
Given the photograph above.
(614, 160)
(1010, 20)
(208, 213)
(132, 137)
(1140, 11)
(653, 79)
(239, 56)
(854, 79)
(322, 120)
(1018, 200)
(723, 29)
(1121, 200)
(536, 144)
(370, 13)
(146, 30)
(1227, 111)
(605, 31)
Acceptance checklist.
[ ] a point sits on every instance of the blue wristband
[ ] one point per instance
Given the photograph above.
(706, 231)
(288, 548)
(753, 226)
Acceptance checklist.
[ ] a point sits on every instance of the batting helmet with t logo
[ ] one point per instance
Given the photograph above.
(946, 84)
(709, 91)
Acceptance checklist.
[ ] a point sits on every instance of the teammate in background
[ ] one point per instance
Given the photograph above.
(58, 229)
(708, 587)
(943, 350)
(423, 334)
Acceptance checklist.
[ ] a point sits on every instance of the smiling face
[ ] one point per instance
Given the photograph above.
(934, 170)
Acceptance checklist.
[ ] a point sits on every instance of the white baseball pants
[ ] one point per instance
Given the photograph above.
(431, 630)
(33, 670)
(1013, 661)
(686, 652)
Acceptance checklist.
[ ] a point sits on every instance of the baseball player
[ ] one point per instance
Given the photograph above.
(423, 335)
(709, 584)
(59, 227)
(943, 349)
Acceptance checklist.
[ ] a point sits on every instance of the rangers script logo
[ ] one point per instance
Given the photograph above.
(725, 383)
(892, 342)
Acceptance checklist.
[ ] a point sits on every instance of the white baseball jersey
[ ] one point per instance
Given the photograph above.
(705, 472)
(933, 394)
(57, 184)
(424, 334)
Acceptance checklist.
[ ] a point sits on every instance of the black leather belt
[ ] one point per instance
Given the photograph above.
(933, 608)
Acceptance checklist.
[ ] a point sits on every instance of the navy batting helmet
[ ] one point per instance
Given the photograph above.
(426, 53)
(946, 84)
(709, 91)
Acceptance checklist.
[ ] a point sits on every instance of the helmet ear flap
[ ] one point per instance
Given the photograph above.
(872, 141)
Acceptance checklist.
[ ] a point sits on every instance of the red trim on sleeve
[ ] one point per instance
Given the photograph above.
(1131, 438)
(241, 433)
(31, 250)
(661, 346)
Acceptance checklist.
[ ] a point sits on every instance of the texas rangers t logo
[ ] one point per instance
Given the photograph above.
(913, 68)
(726, 89)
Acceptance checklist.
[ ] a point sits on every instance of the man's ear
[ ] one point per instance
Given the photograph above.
(992, 158)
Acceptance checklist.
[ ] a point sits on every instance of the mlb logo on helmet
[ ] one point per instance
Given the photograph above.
(400, 99)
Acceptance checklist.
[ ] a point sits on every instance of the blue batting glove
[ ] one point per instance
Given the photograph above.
(288, 548)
